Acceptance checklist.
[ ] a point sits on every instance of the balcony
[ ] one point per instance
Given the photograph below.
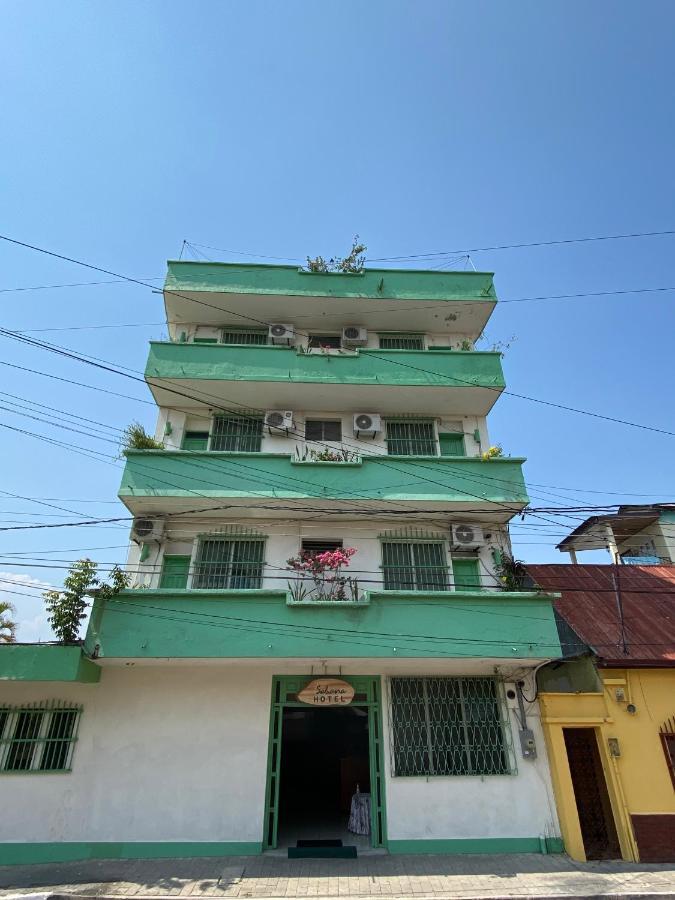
(163, 481)
(435, 381)
(376, 298)
(154, 624)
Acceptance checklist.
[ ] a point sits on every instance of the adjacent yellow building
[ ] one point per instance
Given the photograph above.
(608, 710)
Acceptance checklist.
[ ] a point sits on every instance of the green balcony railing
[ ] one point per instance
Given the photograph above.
(225, 362)
(181, 473)
(262, 623)
(402, 284)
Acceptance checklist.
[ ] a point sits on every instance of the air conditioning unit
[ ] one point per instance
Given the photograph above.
(354, 336)
(279, 418)
(281, 334)
(370, 423)
(143, 531)
(467, 537)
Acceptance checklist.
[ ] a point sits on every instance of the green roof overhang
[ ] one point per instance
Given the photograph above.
(46, 662)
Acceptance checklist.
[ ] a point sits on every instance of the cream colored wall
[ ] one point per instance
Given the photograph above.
(277, 441)
(653, 533)
(284, 541)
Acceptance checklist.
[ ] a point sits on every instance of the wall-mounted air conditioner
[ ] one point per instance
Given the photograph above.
(281, 334)
(279, 418)
(467, 537)
(144, 531)
(354, 336)
(367, 423)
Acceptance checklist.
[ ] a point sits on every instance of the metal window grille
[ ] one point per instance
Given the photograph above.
(411, 439)
(414, 566)
(229, 564)
(38, 738)
(401, 342)
(448, 726)
(241, 434)
(333, 341)
(236, 336)
(321, 430)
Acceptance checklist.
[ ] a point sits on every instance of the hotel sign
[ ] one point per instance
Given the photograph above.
(327, 692)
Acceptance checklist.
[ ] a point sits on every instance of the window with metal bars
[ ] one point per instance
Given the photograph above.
(240, 434)
(448, 726)
(38, 738)
(331, 341)
(411, 439)
(321, 430)
(420, 566)
(229, 564)
(243, 336)
(401, 341)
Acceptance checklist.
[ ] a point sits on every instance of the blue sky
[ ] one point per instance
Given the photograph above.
(283, 129)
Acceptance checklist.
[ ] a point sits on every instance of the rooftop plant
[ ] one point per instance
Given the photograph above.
(135, 437)
(7, 625)
(67, 608)
(353, 263)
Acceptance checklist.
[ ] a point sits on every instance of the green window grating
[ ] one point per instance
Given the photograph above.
(229, 564)
(236, 336)
(204, 340)
(175, 571)
(38, 738)
(411, 439)
(195, 440)
(240, 434)
(401, 342)
(448, 726)
(414, 566)
(452, 444)
(465, 574)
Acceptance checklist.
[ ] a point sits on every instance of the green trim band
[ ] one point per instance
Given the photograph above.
(46, 662)
(479, 845)
(29, 853)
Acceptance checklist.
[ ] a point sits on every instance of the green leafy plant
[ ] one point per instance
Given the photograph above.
(351, 264)
(7, 625)
(135, 437)
(466, 345)
(68, 608)
(512, 573)
(338, 455)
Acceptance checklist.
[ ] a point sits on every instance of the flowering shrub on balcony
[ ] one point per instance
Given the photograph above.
(320, 576)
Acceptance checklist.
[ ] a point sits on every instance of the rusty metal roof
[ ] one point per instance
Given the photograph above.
(591, 597)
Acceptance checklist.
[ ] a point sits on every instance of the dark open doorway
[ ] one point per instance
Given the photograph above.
(324, 757)
(596, 819)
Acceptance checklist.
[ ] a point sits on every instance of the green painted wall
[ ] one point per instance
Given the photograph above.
(443, 478)
(46, 662)
(402, 284)
(262, 624)
(442, 368)
(21, 854)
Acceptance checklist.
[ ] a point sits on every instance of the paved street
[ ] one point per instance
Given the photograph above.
(483, 876)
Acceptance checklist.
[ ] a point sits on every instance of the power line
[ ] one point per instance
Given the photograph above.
(90, 387)
(391, 361)
(580, 240)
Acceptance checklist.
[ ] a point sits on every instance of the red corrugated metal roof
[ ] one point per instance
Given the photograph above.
(589, 603)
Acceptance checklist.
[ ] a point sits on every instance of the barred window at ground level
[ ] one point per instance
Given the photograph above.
(38, 738)
(448, 726)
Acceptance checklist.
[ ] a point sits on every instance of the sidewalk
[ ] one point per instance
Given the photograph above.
(479, 876)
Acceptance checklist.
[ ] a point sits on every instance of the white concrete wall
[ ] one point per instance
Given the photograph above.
(179, 753)
(655, 540)
(284, 541)
(488, 806)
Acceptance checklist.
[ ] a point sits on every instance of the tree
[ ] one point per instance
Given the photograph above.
(7, 625)
(353, 263)
(68, 608)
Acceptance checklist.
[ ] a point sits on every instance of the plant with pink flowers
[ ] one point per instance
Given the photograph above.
(324, 570)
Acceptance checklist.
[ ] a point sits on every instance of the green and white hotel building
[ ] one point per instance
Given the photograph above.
(298, 412)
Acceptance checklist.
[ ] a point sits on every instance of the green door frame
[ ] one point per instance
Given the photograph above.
(368, 693)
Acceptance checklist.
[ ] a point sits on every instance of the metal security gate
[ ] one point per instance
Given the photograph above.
(367, 694)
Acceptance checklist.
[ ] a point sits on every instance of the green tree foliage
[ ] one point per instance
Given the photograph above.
(7, 625)
(68, 608)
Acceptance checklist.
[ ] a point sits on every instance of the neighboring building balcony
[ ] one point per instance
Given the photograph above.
(439, 380)
(163, 481)
(161, 624)
(240, 294)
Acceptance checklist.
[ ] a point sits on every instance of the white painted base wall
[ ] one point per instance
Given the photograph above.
(179, 753)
